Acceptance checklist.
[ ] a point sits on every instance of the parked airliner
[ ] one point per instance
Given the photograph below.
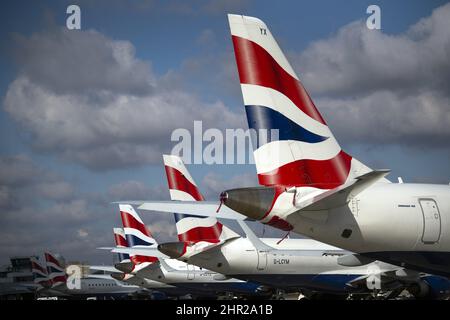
(53, 282)
(310, 185)
(199, 281)
(288, 264)
(124, 262)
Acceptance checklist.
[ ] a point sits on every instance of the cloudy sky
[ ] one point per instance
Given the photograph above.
(85, 115)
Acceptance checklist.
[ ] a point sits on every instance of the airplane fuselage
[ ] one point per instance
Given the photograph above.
(100, 287)
(198, 280)
(403, 224)
(288, 268)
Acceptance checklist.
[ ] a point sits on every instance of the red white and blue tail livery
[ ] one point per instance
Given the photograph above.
(197, 233)
(191, 229)
(121, 242)
(310, 185)
(56, 270)
(304, 151)
(39, 273)
(137, 234)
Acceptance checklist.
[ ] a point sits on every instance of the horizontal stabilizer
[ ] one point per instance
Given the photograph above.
(110, 269)
(144, 251)
(341, 195)
(202, 209)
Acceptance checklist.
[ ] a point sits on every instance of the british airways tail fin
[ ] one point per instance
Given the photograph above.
(55, 269)
(40, 274)
(136, 233)
(121, 242)
(293, 145)
(192, 229)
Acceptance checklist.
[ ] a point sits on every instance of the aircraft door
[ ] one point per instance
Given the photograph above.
(262, 260)
(190, 272)
(431, 221)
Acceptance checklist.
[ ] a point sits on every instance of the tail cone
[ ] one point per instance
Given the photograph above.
(173, 249)
(254, 203)
(126, 267)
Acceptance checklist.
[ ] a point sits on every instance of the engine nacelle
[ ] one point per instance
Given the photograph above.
(419, 289)
(431, 287)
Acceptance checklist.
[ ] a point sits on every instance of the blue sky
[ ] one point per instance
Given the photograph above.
(186, 48)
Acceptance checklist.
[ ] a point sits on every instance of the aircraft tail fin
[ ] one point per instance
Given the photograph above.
(191, 229)
(293, 146)
(136, 233)
(55, 269)
(40, 273)
(121, 242)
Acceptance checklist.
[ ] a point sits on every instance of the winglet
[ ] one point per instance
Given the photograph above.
(141, 251)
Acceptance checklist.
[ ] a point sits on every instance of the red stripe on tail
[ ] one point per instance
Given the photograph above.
(141, 259)
(120, 241)
(177, 181)
(50, 258)
(256, 66)
(130, 222)
(196, 234)
(322, 174)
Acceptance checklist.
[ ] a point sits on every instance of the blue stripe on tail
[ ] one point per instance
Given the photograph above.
(132, 241)
(123, 256)
(181, 216)
(261, 117)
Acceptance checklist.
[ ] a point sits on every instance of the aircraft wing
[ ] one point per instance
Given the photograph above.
(197, 208)
(105, 248)
(386, 280)
(341, 195)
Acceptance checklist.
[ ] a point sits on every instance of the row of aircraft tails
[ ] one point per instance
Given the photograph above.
(365, 233)
(211, 259)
